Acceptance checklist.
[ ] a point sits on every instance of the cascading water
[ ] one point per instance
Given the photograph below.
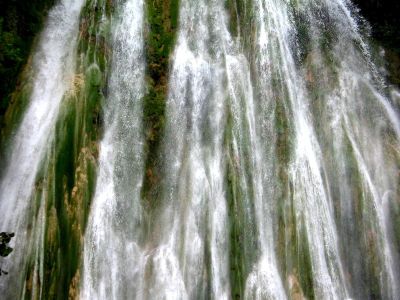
(278, 171)
(53, 65)
(310, 198)
(190, 259)
(111, 254)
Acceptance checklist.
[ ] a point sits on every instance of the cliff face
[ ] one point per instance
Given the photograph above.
(20, 21)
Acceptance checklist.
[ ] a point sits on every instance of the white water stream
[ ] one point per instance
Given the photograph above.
(53, 69)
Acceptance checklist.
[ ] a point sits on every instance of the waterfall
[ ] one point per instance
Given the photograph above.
(53, 65)
(190, 256)
(111, 254)
(204, 149)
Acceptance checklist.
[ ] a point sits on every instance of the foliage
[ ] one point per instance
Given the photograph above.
(20, 21)
(71, 174)
(5, 238)
(5, 250)
(162, 18)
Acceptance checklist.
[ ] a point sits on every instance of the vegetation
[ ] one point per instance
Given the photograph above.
(5, 238)
(20, 21)
(237, 224)
(162, 18)
(5, 250)
(67, 181)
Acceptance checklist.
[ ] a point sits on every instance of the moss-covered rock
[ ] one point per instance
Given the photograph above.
(162, 18)
(69, 174)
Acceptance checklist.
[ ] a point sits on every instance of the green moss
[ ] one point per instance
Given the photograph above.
(283, 141)
(298, 260)
(395, 217)
(13, 117)
(230, 6)
(94, 75)
(162, 18)
(71, 172)
(283, 149)
(374, 272)
(67, 176)
(240, 15)
(303, 37)
(364, 233)
(293, 246)
(236, 230)
(305, 273)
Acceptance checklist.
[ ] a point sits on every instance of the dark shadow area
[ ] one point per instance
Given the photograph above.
(384, 18)
(5, 249)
